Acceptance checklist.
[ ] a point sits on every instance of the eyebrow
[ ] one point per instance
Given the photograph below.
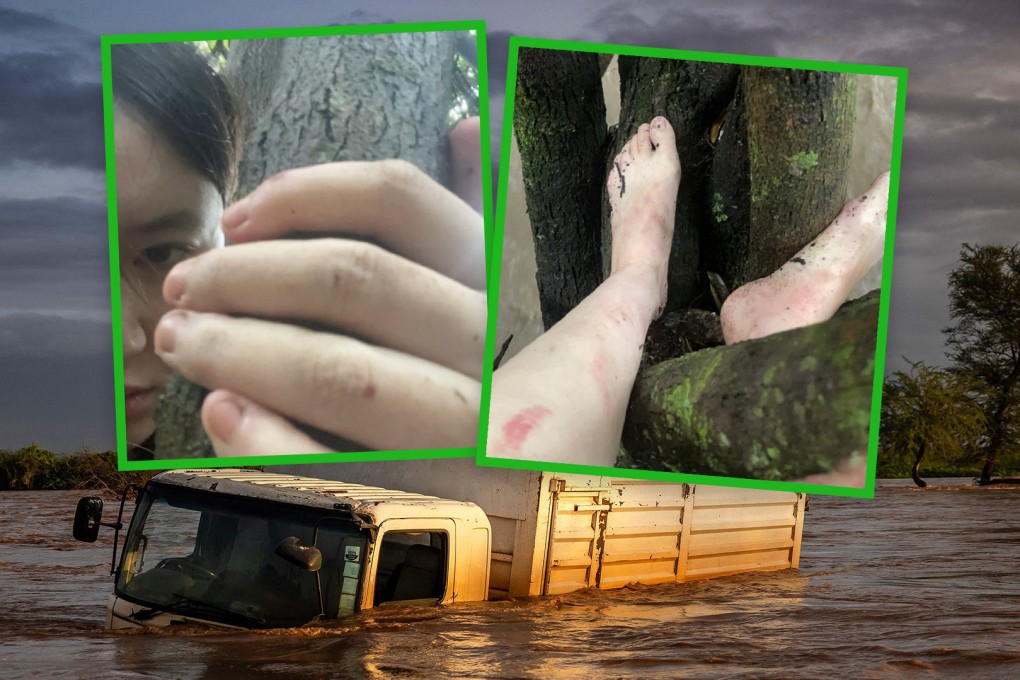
(170, 221)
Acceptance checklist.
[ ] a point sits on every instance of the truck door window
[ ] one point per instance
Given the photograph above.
(412, 566)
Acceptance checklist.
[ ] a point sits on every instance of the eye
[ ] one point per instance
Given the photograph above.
(165, 254)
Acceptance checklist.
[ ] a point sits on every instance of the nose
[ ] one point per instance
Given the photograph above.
(134, 325)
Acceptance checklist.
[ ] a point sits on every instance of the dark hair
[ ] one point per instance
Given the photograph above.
(193, 107)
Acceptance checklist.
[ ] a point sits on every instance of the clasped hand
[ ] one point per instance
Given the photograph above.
(398, 309)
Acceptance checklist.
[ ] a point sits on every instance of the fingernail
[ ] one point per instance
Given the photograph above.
(236, 215)
(225, 416)
(173, 286)
(167, 329)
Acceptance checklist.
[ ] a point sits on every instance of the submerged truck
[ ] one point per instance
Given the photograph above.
(250, 549)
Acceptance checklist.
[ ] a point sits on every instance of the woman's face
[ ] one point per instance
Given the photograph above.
(167, 211)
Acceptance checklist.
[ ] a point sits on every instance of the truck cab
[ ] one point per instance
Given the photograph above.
(247, 549)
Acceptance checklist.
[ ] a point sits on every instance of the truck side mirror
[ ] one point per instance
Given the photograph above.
(87, 518)
(308, 558)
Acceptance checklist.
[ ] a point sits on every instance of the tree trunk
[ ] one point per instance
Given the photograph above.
(782, 407)
(915, 472)
(998, 424)
(799, 133)
(341, 98)
(560, 124)
(318, 100)
(780, 169)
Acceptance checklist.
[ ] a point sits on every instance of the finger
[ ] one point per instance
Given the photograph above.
(356, 286)
(381, 398)
(391, 201)
(466, 161)
(240, 427)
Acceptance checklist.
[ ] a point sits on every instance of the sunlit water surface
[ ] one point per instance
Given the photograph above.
(910, 583)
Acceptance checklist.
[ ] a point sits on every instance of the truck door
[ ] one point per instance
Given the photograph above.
(413, 561)
(576, 538)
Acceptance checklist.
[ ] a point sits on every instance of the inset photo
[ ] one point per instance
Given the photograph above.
(298, 256)
(693, 256)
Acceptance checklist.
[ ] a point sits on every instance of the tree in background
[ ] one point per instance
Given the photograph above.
(33, 467)
(929, 412)
(984, 341)
(23, 468)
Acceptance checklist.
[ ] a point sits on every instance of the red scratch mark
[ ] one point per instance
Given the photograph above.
(600, 373)
(518, 428)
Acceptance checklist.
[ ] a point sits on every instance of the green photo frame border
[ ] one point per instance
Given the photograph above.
(495, 268)
(106, 41)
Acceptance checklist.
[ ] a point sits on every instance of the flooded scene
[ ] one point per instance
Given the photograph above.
(914, 581)
(364, 226)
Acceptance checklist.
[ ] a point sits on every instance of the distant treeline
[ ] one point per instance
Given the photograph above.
(35, 468)
(891, 466)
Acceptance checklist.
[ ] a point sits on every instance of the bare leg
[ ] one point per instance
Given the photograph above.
(815, 282)
(564, 397)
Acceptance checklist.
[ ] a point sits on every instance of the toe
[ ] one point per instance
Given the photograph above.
(642, 142)
(623, 159)
(660, 133)
(613, 178)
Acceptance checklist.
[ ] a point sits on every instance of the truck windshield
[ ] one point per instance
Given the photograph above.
(212, 556)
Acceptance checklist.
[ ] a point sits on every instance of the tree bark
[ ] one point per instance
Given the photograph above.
(350, 97)
(318, 100)
(560, 125)
(799, 134)
(782, 407)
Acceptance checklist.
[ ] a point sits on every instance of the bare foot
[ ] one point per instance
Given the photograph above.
(642, 187)
(466, 161)
(816, 281)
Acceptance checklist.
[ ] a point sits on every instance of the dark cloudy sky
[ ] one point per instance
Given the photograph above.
(960, 182)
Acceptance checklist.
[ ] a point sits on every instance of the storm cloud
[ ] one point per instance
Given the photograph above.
(959, 174)
(51, 111)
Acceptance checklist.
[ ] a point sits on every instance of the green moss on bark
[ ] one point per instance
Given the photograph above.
(782, 407)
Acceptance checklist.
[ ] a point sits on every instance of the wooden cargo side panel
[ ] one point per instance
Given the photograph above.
(739, 530)
(642, 537)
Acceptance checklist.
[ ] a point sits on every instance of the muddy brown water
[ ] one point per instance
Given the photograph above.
(911, 583)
